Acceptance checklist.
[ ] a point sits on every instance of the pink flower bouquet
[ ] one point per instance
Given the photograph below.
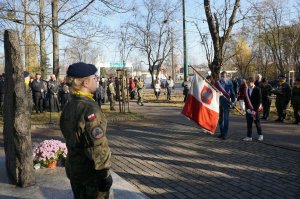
(49, 151)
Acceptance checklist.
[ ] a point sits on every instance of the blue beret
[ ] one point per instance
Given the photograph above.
(26, 73)
(81, 69)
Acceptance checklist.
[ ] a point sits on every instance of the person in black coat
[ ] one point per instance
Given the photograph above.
(283, 94)
(253, 105)
(38, 89)
(266, 89)
(98, 94)
(53, 89)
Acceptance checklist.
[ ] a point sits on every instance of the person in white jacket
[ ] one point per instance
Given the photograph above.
(169, 85)
(157, 88)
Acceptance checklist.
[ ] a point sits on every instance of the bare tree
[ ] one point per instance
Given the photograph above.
(81, 50)
(42, 28)
(280, 37)
(67, 18)
(152, 33)
(126, 44)
(220, 27)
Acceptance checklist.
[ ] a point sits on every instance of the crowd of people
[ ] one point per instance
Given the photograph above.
(255, 96)
(52, 95)
(280, 90)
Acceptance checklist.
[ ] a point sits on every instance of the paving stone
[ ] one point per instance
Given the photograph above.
(200, 164)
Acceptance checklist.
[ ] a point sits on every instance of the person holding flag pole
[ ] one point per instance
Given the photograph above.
(227, 100)
(202, 104)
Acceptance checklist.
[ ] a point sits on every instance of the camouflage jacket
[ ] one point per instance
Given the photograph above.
(283, 92)
(83, 125)
(140, 85)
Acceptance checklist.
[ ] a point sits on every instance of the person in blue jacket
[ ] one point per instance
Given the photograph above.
(227, 100)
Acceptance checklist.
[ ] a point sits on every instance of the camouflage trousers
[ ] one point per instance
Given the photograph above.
(111, 99)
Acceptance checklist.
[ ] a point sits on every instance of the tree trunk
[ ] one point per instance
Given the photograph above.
(215, 67)
(43, 54)
(16, 130)
(152, 78)
(217, 39)
(55, 35)
(25, 36)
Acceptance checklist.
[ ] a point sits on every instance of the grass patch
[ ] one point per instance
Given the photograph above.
(111, 116)
(177, 99)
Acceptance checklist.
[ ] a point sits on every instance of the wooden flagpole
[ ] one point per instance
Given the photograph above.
(217, 90)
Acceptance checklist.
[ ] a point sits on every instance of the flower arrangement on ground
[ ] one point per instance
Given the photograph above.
(49, 151)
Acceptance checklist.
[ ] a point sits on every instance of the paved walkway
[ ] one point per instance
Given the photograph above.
(170, 157)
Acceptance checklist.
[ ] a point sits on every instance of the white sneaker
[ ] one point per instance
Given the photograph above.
(247, 139)
(260, 138)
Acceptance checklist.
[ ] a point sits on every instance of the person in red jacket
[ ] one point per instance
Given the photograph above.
(131, 88)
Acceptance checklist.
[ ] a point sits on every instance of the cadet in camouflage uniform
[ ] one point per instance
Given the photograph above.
(111, 94)
(296, 100)
(83, 125)
(283, 96)
(140, 86)
(265, 88)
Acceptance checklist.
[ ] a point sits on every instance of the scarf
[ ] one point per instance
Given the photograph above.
(88, 95)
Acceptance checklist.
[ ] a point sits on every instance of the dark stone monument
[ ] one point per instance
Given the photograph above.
(16, 115)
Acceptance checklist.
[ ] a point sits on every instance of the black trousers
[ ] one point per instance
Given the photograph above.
(95, 188)
(169, 93)
(281, 108)
(266, 103)
(296, 107)
(250, 121)
(38, 101)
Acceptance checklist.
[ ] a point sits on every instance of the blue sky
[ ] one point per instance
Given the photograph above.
(194, 9)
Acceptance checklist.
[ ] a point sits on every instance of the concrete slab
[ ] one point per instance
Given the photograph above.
(53, 183)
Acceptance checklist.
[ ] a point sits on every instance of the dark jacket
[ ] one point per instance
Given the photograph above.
(295, 95)
(255, 98)
(283, 92)
(38, 86)
(265, 90)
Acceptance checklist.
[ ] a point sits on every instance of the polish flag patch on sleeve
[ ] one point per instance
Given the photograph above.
(91, 117)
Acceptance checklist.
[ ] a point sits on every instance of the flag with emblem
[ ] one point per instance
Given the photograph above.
(202, 104)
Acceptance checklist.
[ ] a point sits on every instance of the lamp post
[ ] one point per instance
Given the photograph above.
(185, 67)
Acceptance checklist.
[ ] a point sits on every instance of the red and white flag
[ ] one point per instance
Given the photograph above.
(202, 104)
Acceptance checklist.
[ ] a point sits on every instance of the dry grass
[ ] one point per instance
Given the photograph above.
(176, 99)
(44, 118)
